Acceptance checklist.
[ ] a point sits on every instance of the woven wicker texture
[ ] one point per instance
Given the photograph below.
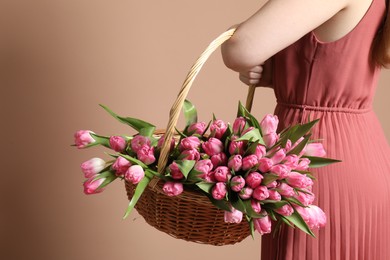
(189, 216)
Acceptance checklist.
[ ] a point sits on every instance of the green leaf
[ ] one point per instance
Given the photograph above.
(301, 130)
(274, 204)
(252, 228)
(147, 131)
(193, 176)
(249, 210)
(295, 201)
(137, 194)
(108, 177)
(102, 140)
(190, 113)
(143, 127)
(297, 149)
(298, 221)
(185, 166)
(253, 136)
(205, 186)
(150, 173)
(251, 149)
(239, 205)
(242, 111)
(268, 178)
(316, 162)
(220, 204)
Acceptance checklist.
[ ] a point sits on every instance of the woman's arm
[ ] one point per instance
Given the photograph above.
(273, 27)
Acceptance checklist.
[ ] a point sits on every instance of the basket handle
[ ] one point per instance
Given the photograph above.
(178, 104)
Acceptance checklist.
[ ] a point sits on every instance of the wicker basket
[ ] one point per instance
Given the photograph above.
(189, 216)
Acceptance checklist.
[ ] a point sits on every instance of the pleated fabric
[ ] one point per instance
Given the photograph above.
(336, 82)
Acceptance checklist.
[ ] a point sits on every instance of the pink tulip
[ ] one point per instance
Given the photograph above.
(117, 143)
(246, 193)
(253, 179)
(219, 159)
(172, 188)
(234, 216)
(270, 139)
(146, 154)
(175, 171)
(285, 210)
(265, 165)
(218, 128)
(189, 143)
(285, 190)
(203, 166)
(269, 124)
(219, 191)
(82, 138)
(121, 165)
(291, 161)
(134, 174)
(91, 186)
(92, 167)
(192, 154)
(260, 193)
(237, 183)
(236, 147)
(197, 128)
(263, 225)
(213, 146)
(161, 142)
(272, 184)
(249, 162)
(299, 180)
(274, 195)
(281, 170)
(314, 217)
(260, 151)
(305, 198)
(239, 125)
(314, 149)
(278, 156)
(138, 142)
(235, 162)
(222, 174)
(256, 206)
(303, 164)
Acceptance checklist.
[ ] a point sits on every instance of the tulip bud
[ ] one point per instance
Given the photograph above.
(91, 186)
(219, 191)
(138, 142)
(263, 225)
(269, 124)
(121, 165)
(218, 128)
(234, 216)
(92, 167)
(237, 183)
(82, 138)
(134, 174)
(117, 143)
(172, 188)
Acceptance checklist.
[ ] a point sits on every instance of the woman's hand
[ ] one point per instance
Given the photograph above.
(259, 76)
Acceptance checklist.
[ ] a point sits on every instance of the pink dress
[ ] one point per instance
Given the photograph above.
(336, 82)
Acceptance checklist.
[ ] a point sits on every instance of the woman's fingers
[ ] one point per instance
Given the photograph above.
(251, 76)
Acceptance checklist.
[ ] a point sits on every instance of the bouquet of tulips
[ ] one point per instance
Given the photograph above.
(247, 168)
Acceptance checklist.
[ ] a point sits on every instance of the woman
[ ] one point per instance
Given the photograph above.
(326, 58)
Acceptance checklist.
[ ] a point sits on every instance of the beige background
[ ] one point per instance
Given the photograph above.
(58, 61)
